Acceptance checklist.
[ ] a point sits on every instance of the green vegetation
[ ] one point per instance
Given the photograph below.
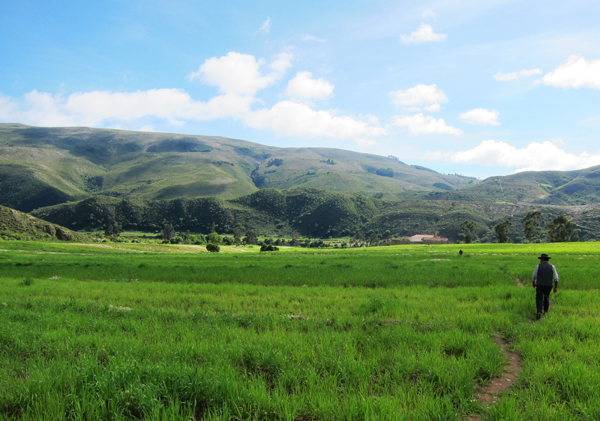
(42, 167)
(311, 213)
(531, 225)
(171, 332)
(502, 230)
(561, 230)
(469, 227)
(15, 225)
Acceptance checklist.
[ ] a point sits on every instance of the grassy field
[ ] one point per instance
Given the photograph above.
(157, 332)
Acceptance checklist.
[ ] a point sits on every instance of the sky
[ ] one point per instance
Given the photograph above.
(473, 87)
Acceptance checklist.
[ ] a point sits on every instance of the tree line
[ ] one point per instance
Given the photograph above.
(560, 230)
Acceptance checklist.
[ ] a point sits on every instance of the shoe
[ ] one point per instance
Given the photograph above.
(538, 316)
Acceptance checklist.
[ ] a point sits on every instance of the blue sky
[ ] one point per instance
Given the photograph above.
(478, 88)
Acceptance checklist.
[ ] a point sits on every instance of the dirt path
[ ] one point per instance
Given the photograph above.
(487, 395)
(520, 283)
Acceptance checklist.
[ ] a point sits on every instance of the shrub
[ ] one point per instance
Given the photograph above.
(213, 248)
(269, 247)
(27, 282)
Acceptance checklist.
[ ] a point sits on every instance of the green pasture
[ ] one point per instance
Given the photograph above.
(161, 332)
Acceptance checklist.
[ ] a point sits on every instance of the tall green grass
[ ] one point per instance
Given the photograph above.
(395, 333)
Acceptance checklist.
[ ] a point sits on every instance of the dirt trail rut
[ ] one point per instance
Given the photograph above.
(488, 394)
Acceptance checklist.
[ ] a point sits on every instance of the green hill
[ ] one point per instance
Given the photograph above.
(310, 213)
(15, 225)
(45, 166)
(567, 188)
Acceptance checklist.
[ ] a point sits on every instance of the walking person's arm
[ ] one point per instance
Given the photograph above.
(534, 276)
(555, 276)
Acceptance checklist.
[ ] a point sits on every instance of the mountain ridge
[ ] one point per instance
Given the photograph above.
(74, 163)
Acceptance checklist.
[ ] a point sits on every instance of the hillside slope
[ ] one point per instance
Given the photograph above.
(45, 166)
(566, 188)
(15, 225)
(311, 213)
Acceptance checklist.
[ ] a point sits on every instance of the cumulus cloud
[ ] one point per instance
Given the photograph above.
(266, 26)
(577, 72)
(238, 73)
(505, 77)
(428, 96)
(422, 124)
(425, 33)
(304, 88)
(96, 108)
(536, 156)
(281, 64)
(238, 78)
(428, 14)
(480, 116)
(287, 118)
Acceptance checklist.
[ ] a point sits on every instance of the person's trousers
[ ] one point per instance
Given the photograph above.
(542, 298)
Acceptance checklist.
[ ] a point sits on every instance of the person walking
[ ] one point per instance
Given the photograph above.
(542, 278)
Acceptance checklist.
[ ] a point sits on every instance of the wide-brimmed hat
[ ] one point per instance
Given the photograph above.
(544, 257)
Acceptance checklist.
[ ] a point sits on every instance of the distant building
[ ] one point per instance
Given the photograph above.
(428, 239)
(418, 239)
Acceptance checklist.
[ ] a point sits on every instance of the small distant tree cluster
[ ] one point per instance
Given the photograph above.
(562, 230)
(374, 240)
(269, 247)
(502, 231)
(531, 225)
(275, 161)
(469, 227)
(251, 237)
(213, 248)
(168, 232)
(112, 230)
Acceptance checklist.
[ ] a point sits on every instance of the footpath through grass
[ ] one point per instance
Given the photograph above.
(397, 333)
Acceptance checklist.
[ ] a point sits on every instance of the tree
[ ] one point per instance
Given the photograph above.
(359, 236)
(215, 238)
(531, 225)
(373, 239)
(469, 227)
(561, 230)
(502, 231)
(213, 228)
(112, 230)
(237, 235)
(168, 232)
(214, 248)
(251, 237)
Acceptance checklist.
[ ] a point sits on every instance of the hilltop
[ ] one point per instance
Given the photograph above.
(47, 166)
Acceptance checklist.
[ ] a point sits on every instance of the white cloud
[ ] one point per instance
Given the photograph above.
(428, 14)
(303, 88)
(266, 26)
(577, 72)
(422, 124)
(281, 64)
(420, 95)
(313, 38)
(97, 108)
(480, 116)
(536, 156)
(505, 77)
(425, 33)
(288, 118)
(238, 73)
